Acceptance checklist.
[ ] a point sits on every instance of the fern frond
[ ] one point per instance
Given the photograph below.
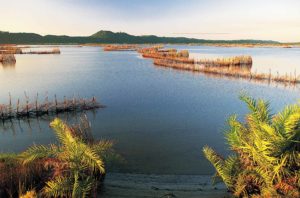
(63, 132)
(58, 187)
(91, 158)
(36, 152)
(292, 127)
(219, 164)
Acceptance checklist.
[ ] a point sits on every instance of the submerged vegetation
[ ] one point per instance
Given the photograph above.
(266, 159)
(74, 167)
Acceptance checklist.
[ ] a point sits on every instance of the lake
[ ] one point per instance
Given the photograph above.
(159, 118)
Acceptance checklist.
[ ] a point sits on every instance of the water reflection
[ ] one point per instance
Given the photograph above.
(8, 66)
(40, 124)
(152, 113)
(260, 82)
(265, 60)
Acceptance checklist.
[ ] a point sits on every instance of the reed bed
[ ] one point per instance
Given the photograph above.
(150, 49)
(237, 72)
(233, 67)
(10, 49)
(237, 61)
(53, 51)
(120, 47)
(167, 54)
(7, 59)
(35, 109)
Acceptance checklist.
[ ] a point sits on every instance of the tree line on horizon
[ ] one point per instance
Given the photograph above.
(112, 37)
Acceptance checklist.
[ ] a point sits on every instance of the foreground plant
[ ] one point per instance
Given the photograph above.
(266, 159)
(72, 168)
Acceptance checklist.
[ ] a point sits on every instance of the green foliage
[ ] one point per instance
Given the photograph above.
(110, 37)
(74, 167)
(267, 152)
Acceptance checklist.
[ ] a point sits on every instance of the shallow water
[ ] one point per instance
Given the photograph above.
(159, 118)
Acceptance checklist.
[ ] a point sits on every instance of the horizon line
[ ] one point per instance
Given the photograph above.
(191, 33)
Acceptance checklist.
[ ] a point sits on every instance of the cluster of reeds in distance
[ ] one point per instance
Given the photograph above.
(36, 108)
(14, 49)
(235, 67)
(53, 51)
(120, 47)
(10, 49)
(265, 159)
(236, 61)
(73, 167)
(172, 55)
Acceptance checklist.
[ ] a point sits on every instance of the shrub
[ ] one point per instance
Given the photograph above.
(266, 152)
(74, 167)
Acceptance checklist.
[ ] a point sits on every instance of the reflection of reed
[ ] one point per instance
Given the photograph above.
(7, 59)
(36, 109)
(38, 124)
(8, 66)
(291, 86)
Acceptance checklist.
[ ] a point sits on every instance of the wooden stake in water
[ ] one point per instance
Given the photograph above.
(18, 106)
(36, 103)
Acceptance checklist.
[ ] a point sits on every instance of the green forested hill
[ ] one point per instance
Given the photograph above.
(108, 37)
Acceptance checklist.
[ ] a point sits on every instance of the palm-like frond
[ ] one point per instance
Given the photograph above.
(63, 132)
(260, 110)
(58, 187)
(92, 159)
(37, 152)
(267, 151)
(218, 162)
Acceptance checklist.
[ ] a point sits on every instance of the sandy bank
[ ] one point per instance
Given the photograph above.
(140, 185)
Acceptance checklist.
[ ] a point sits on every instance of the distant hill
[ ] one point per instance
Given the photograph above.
(110, 37)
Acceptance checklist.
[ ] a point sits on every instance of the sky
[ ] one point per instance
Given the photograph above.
(207, 19)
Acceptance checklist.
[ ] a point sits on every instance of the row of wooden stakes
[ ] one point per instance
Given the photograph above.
(235, 67)
(35, 109)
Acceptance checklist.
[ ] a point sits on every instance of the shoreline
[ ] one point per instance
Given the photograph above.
(144, 185)
(221, 45)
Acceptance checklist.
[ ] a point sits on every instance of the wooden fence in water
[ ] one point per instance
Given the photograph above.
(35, 109)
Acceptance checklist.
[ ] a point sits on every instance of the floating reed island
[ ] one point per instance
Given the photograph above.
(35, 109)
(7, 59)
(237, 61)
(171, 55)
(14, 49)
(120, 47)
(53, 51)
(10, 49)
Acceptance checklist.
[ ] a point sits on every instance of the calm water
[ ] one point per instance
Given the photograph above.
(159, 118)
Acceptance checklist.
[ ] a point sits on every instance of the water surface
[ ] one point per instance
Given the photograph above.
(159, 118)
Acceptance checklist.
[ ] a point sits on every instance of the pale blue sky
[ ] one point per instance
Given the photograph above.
(208, 19)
